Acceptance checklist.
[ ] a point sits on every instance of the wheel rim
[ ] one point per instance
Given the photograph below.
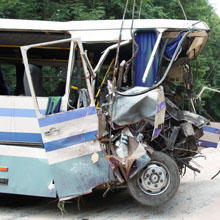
(154, 179)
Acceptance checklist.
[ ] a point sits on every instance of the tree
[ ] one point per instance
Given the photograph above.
(65, 10)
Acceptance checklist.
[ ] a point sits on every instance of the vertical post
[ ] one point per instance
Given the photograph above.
(150, 62)
(85, 70)
(69, 72)
(27, 70)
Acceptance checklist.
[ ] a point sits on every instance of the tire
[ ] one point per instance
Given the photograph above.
(157, 183)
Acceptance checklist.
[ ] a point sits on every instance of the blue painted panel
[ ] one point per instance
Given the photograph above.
(70, 141)
(208, 144)
(156, 133)
(171, 46)
(211, 129)
(67, 116)
(146, 42)
(161, 106)
(20, 137)
(27, 176)
(17, 112)
(78, 176)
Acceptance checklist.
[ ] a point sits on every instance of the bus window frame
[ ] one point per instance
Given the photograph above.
(73, 43)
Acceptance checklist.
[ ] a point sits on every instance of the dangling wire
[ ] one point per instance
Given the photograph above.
(132, 23)
(119, 40)
(182, 9)
(114, 74)
(135, 45)
(139, 15)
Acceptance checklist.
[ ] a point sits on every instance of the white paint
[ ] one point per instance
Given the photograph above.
(70, 128)
(212, 137)
(19, 124)
(18, 151)
(72, 152)
(51, 186)
(21, 102)
(98, 30)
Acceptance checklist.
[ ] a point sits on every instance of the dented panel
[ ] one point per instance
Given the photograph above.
(128, 110)
(70, 141)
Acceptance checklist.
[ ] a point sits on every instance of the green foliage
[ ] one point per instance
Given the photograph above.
(66, 10)
(10, 78)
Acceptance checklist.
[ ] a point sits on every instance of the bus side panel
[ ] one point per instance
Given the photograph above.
(18, 122)
(211, 137)
(27, 173)
(23, 169)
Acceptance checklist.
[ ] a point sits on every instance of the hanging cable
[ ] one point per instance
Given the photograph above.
(132, 23)
(134, 54)
(181, 6)
(139, 15)
(165, 74)
(103, 81)
(112, 97)
(119, 40)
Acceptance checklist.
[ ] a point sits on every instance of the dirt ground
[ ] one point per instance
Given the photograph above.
(198, 197)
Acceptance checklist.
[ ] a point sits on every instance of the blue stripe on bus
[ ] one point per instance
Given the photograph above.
(70, 141)
(18, 112)
(207, 144)
(156, 132)
(67, 116)
(211, 129)
(21, 137)
(161, 106)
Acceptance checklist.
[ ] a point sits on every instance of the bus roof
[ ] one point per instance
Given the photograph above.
(99, 30)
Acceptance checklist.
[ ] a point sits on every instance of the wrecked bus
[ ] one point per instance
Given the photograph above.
(95, 104)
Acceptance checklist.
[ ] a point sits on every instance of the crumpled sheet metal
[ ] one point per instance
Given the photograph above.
(131, 109)
(187, 129)
(139, 157)
(179, 115)
(160, 114)
(136, 154)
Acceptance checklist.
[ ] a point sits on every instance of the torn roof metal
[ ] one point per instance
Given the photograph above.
(99, 30)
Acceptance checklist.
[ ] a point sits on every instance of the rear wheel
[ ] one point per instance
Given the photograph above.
(157, 183)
